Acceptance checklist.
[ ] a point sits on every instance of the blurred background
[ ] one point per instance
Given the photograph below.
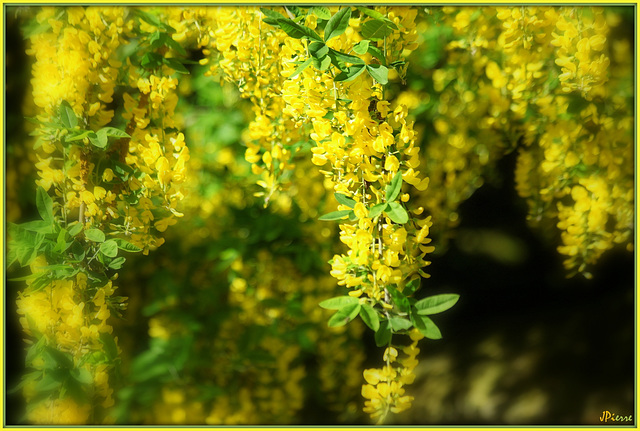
(525, 345)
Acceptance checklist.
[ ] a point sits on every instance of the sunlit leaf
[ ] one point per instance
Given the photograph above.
(437, 303)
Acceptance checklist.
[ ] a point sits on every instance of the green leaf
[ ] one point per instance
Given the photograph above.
(40, 282)
(370, 317)
(322, 64)
(335, 215)
(398, 64)
(272, 16)
(371, 12)
(437, 303)
(147, 17)
(300, 68)
(122, 170)
(321, 12)
(153, 20)
(28, 250)
(78, 251)
(340, 59)
(398, 323)
(350, 73)
(376, 210)
(35, 350)
(67, 116)
(77, 136)
(394, 187)
(378, 16)
(82, 375)
(117, 263)
(47, 383)
(296, 30)
(383, 334)
(318, 49)
(426, 326)
(377, 53)
(113, 132)
(171, 43)
(295, 11)
(378, 72)
(126, 245)
(38, 226)
(98, 140)
(344, 315)
(27, 378)
(110, 347)
(95, 235)
(375, 29)
(361, 47)
(154, 40)
(23, 278)
(337, 24)
(397, 213)
(399, 299)
(338, 302)
(411, 287)
(75, 228)
(44, 203)
(61, 242)
(53, 358)
(151, 60)
(109, 248)
(102, 137)
(176, 65)
(344, 200)
(160, 39)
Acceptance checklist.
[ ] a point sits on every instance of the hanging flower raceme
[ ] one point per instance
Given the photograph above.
(367, 151)
(249, 55)
(100, 192)
(499, 90)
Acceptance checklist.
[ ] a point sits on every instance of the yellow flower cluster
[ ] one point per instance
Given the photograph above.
(384, 390)
(78, 50)
(366, 145)
(581, 36)
(249, 56)
(535, 76)
(60, 412)
(258, 384)
(580, 140)
(75, 63)
(269, 366)
(68, 318)
(469, 112)
(80, 43)
(113, 187)
(159, 154)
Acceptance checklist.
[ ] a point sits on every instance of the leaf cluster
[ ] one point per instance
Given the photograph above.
(393, 209)
(407, 312)
(348, 66)
(66, 247)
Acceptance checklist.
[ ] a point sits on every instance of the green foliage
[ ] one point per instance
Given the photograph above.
(335, 215)
(344, 315)
(393, 189)
(370, 317)
(338, 302)
(348, 66)
(396, 213)
(344, 200)
(436, 304)
(337, 24)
